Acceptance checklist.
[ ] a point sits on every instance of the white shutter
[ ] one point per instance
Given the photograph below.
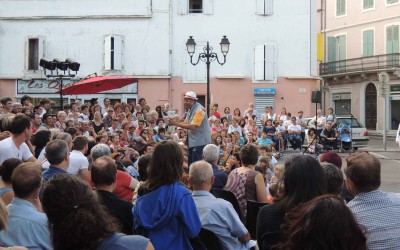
(107, 53)
(269, 7)
(117, 53)
(259, 62)
(40, 48)
(183, 7)
(269, 62)
(196, 73)
(208, 7)
(260, 7)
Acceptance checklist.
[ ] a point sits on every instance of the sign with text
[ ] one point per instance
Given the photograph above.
(43, 86)
(265, 91)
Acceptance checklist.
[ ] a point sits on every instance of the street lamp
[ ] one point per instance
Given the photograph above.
(207, 56)
(67, 65)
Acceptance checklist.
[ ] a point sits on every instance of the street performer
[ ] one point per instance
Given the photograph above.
(196, 122)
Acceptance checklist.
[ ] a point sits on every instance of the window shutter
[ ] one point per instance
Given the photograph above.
(260, 7)
(259, 62)
(40, 48)
(391, 1)
(340, 7)
(208, 7)
(368, 4)
(269, 62)
(269, 7)
(368, 43)
(107, 53)
(331, 49)
(183, 8)
(117, 53)
(396, 39)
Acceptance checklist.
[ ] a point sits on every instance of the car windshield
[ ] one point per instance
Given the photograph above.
(346, 121)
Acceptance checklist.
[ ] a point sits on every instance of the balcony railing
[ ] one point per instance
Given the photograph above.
(361, 64)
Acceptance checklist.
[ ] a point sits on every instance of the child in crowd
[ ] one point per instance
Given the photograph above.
(263, 140)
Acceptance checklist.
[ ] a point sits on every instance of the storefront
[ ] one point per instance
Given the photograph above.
(43, 88)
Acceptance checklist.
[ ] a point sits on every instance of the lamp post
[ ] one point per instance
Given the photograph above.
(207, 56)
(67, 66)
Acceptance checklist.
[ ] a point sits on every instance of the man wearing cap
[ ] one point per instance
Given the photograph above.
(196, 122)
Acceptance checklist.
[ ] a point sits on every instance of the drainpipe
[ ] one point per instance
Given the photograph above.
(170, 55)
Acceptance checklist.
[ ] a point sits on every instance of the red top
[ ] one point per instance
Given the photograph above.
(122, 189)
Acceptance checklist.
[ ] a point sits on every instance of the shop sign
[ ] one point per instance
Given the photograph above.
(43, 86)
(264, 91)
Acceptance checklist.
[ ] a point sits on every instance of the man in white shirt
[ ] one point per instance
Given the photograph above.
(78, 163)
(234, 126)
(15, 146)
(320, 120)
(294, 131)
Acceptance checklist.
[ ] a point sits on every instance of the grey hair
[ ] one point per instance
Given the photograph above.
(56, 151)
(210, 153)
(54, 132)
(16, 105)
(100, 150)
(200, 172)
(65, 137)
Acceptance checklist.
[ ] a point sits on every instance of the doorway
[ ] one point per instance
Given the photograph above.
(370, 106)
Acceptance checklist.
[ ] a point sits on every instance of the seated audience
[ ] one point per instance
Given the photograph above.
(26, 225)
(329, 137)
(57, 154)
(246, 183)
(322, 223)
(303, 180)
(78, 221)
(375, 210)
(334, 178)
(6, 170)
(78, 162)
(211, 155)
(165, 211)
(104, 176)
(216, 215)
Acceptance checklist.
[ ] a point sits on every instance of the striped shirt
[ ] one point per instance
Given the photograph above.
(378, 213)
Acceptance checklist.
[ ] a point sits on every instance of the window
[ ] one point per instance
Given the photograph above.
(33, 54)
(368, 4)
(368, 43)
(391, 1)
(264, 7)
(264, 63)
(113, 53)
(340, 7)
(195, 6)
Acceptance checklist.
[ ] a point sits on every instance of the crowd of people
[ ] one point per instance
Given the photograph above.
(123, 176)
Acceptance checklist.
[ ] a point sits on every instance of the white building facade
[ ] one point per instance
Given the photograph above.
(272, 57)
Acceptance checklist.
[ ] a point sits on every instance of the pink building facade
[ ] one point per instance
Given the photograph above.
(362, 40)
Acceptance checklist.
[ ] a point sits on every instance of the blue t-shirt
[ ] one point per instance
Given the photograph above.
(264, 142)
(119, 241)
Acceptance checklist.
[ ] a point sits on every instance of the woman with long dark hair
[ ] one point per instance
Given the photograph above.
(39, 140)
(303, 180)
(165, 211)
(322, 223)
(78, 221)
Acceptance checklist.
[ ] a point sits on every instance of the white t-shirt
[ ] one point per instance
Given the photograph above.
(232, 129)
(77, 161)
(294, 128)
(9, 150)
(320, 119)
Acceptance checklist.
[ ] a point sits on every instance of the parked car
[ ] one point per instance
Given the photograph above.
(359, 133)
